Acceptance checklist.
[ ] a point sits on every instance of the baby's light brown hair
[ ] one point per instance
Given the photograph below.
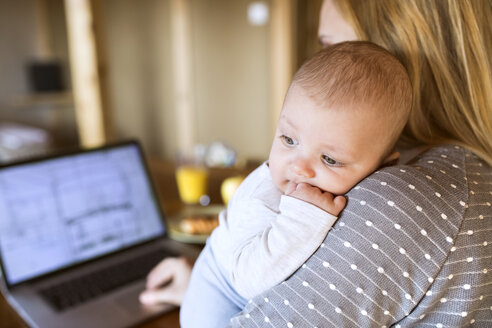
(359, 75)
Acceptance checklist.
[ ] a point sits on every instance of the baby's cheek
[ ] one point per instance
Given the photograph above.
(338, 185)
(349, 184)
(279, 181)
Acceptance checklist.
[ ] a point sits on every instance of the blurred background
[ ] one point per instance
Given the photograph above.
(171, 73)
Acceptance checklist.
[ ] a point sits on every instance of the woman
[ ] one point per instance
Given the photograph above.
(411, 246)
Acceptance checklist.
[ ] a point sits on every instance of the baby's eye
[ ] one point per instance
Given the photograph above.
(288, 140)
(329, 161)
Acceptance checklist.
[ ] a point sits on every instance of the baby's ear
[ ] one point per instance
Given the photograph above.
(391, 159)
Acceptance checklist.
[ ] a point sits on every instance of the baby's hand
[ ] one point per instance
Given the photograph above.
(313, 195)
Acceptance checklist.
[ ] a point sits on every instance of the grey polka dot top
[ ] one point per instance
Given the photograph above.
(412, 248)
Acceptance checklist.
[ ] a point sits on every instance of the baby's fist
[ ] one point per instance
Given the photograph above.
(313, 195)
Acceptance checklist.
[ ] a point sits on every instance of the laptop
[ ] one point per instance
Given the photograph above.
(79, 232)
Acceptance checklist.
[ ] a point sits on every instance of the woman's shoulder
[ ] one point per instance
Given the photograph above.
(436, 165)
(438, 182)
(434, 184)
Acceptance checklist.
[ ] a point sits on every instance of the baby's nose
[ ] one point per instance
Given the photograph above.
(303, 169)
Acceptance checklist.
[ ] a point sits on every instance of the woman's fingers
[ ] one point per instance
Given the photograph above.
(167, 282)
(169, 294)
(161, 273)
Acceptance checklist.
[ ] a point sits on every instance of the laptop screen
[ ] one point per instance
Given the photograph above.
(64, 210)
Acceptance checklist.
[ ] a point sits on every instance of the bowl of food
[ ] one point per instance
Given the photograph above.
(194, 224)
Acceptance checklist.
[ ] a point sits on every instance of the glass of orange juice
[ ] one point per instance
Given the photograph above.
(192, 183)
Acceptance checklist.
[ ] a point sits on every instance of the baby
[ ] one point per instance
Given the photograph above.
(340, 121)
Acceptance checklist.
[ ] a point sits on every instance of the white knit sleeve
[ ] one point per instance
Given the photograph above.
(268, 246)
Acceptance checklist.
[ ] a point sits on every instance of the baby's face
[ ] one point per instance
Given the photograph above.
(331, 149)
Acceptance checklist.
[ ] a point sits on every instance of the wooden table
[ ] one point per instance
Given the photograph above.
(162, 173)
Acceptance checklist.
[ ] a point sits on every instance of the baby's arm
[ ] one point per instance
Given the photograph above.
(267, 257)
(313, 195)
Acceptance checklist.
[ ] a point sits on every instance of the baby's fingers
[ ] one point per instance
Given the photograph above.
(339, 203)
(307, 190)
(291, 188)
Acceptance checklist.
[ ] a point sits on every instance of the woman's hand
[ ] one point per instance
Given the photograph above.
(167, 282)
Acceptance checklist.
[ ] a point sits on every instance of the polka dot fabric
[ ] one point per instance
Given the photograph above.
(411, 248)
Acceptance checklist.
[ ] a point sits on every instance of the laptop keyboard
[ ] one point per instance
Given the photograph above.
(84, 288)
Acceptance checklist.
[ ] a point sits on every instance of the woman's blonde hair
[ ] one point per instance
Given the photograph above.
(446, 47)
